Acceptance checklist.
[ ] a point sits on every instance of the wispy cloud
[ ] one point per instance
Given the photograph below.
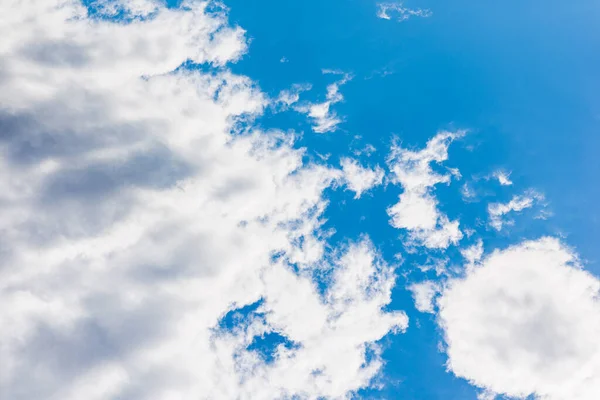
(503, 177)
(472, 254)
(288, 97)
(323, 118)
(497, 211)
(399, 12)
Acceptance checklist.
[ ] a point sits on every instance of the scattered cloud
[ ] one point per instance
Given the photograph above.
(291, 96)
(417, 209)
(473, 254)
(382, 72)
(141, 206)
(358, 178)
(367, 150)
(399, 12)
(526, 322)
(503, 177)
(455, 172)
(468, 193)
(138, 220)
(323, 118)
(439, 265)
(424, 295)
(469, 231)
(473, 190)
(497, 211)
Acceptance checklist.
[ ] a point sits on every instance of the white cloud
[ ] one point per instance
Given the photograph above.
(367, 150)
(132, 220)
(503, 177)
(358, 178)
(291, 96)
(525, 323)
(439, 265)
(497, 211)
(473, 254)
(469, 232)
(424, 294)
(486, 395)
(333, 332)
(386, 10)
(323, 118)
(135, 8)
(455, 172)
(468, 193)
(417, 209)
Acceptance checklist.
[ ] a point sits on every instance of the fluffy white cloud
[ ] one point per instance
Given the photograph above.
(424, 294)
(321, 115)
(139, 207)
(417, 209)
(497, 211)
(358, 178)
(526, 322)
(334, 332)
(386, 10)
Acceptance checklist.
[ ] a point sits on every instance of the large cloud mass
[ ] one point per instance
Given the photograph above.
(138, 209)
(527, 321)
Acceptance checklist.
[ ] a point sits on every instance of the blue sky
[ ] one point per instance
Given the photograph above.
(300, 199)
(521, 77)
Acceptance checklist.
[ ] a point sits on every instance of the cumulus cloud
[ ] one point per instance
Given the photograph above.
(334, 330)
(401, 13)
(358, 178)
(526, 322)
(139, 207)
(417, 209)
(424, 295)
(497, 211)
(323, 118)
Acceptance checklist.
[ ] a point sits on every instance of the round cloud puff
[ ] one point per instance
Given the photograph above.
(526, 322)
